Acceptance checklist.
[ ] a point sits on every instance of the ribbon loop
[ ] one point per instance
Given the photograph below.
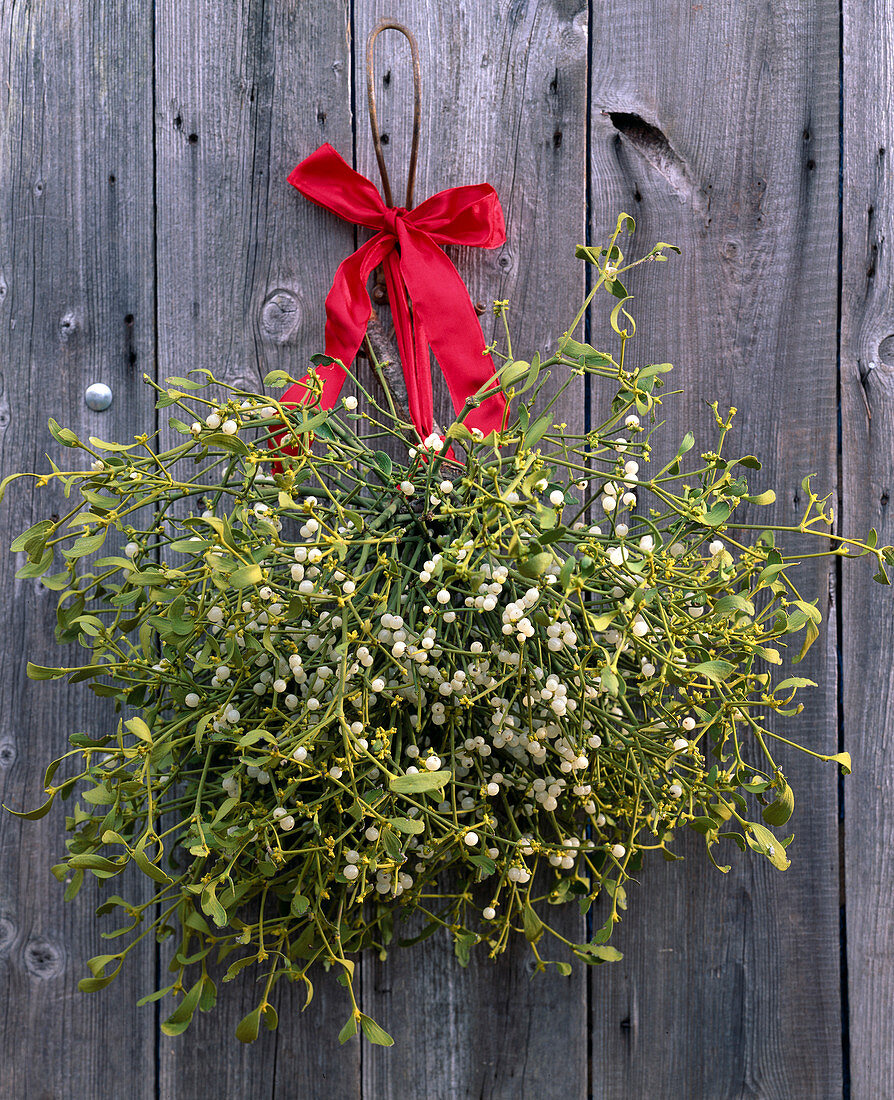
(429, 301)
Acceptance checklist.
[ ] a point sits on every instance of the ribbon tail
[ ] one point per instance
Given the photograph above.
(444, 310)
(413, 351)
(348, 310)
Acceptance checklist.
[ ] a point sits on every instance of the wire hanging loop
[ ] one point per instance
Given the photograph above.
(390, 24)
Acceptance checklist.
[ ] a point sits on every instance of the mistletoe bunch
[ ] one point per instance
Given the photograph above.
(465, 679)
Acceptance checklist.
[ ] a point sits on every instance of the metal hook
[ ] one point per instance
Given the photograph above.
(390, 24)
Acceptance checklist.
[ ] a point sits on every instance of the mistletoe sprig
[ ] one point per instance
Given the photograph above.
(465, 679)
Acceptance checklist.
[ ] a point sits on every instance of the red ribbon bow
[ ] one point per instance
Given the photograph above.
(416, 269)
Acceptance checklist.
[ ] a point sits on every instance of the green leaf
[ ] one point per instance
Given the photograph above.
(246, 575)
(384, 463)
(718, 671)
(421, 781)
(609, 680)
(794, 682)
(842, 758)
(512, 373)
(687, 445)
(138, 726)
(594, 953)
(33, 815)
(731, 604)
(392, 846)
(277, 378)
(87, 544)
(62, 435)
(89, 862)
(299, 905)
(537, 431)
(115, 447)
(767, 497)
(406, 824)
(771, 572)
(616, 287)
(373, 1032)
(763, 841)
(782, 808)
(150, 998)
(248, 1027)
(347, 1032)
(718, 514)
(237, 966)
(35, 534)
(463, 942)
(811, 633)
(533, 925)
(149, 868)
(181, 1017)
(535, 565)
(186, 383)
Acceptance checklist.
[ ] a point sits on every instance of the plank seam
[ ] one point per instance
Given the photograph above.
(155, 369)
(588, 423)
(352, 93)
(839, 588)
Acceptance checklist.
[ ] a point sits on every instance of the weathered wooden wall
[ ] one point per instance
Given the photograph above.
(146, 225)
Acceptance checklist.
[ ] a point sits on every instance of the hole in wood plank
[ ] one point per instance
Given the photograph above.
(68, 326)
(193, 139)
(653, 146)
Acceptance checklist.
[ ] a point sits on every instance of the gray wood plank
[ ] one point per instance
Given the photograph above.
(867, 430)
(244, 91)
(504, 100)
(716, 126)
(76, 307)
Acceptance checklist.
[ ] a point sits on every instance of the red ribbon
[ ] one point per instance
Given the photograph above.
(418, 274)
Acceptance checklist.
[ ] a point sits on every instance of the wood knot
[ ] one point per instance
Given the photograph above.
(8, 754)
(886, 351)
(43, 958)
(7, 934)
(280, 315)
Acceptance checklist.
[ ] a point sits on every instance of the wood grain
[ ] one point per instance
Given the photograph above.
(76, 307)
(716, 126)
(245, 91)
(143, 156)
(867, 436)
(504, 100)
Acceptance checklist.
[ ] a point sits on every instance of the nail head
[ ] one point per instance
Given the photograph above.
(98, 396)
